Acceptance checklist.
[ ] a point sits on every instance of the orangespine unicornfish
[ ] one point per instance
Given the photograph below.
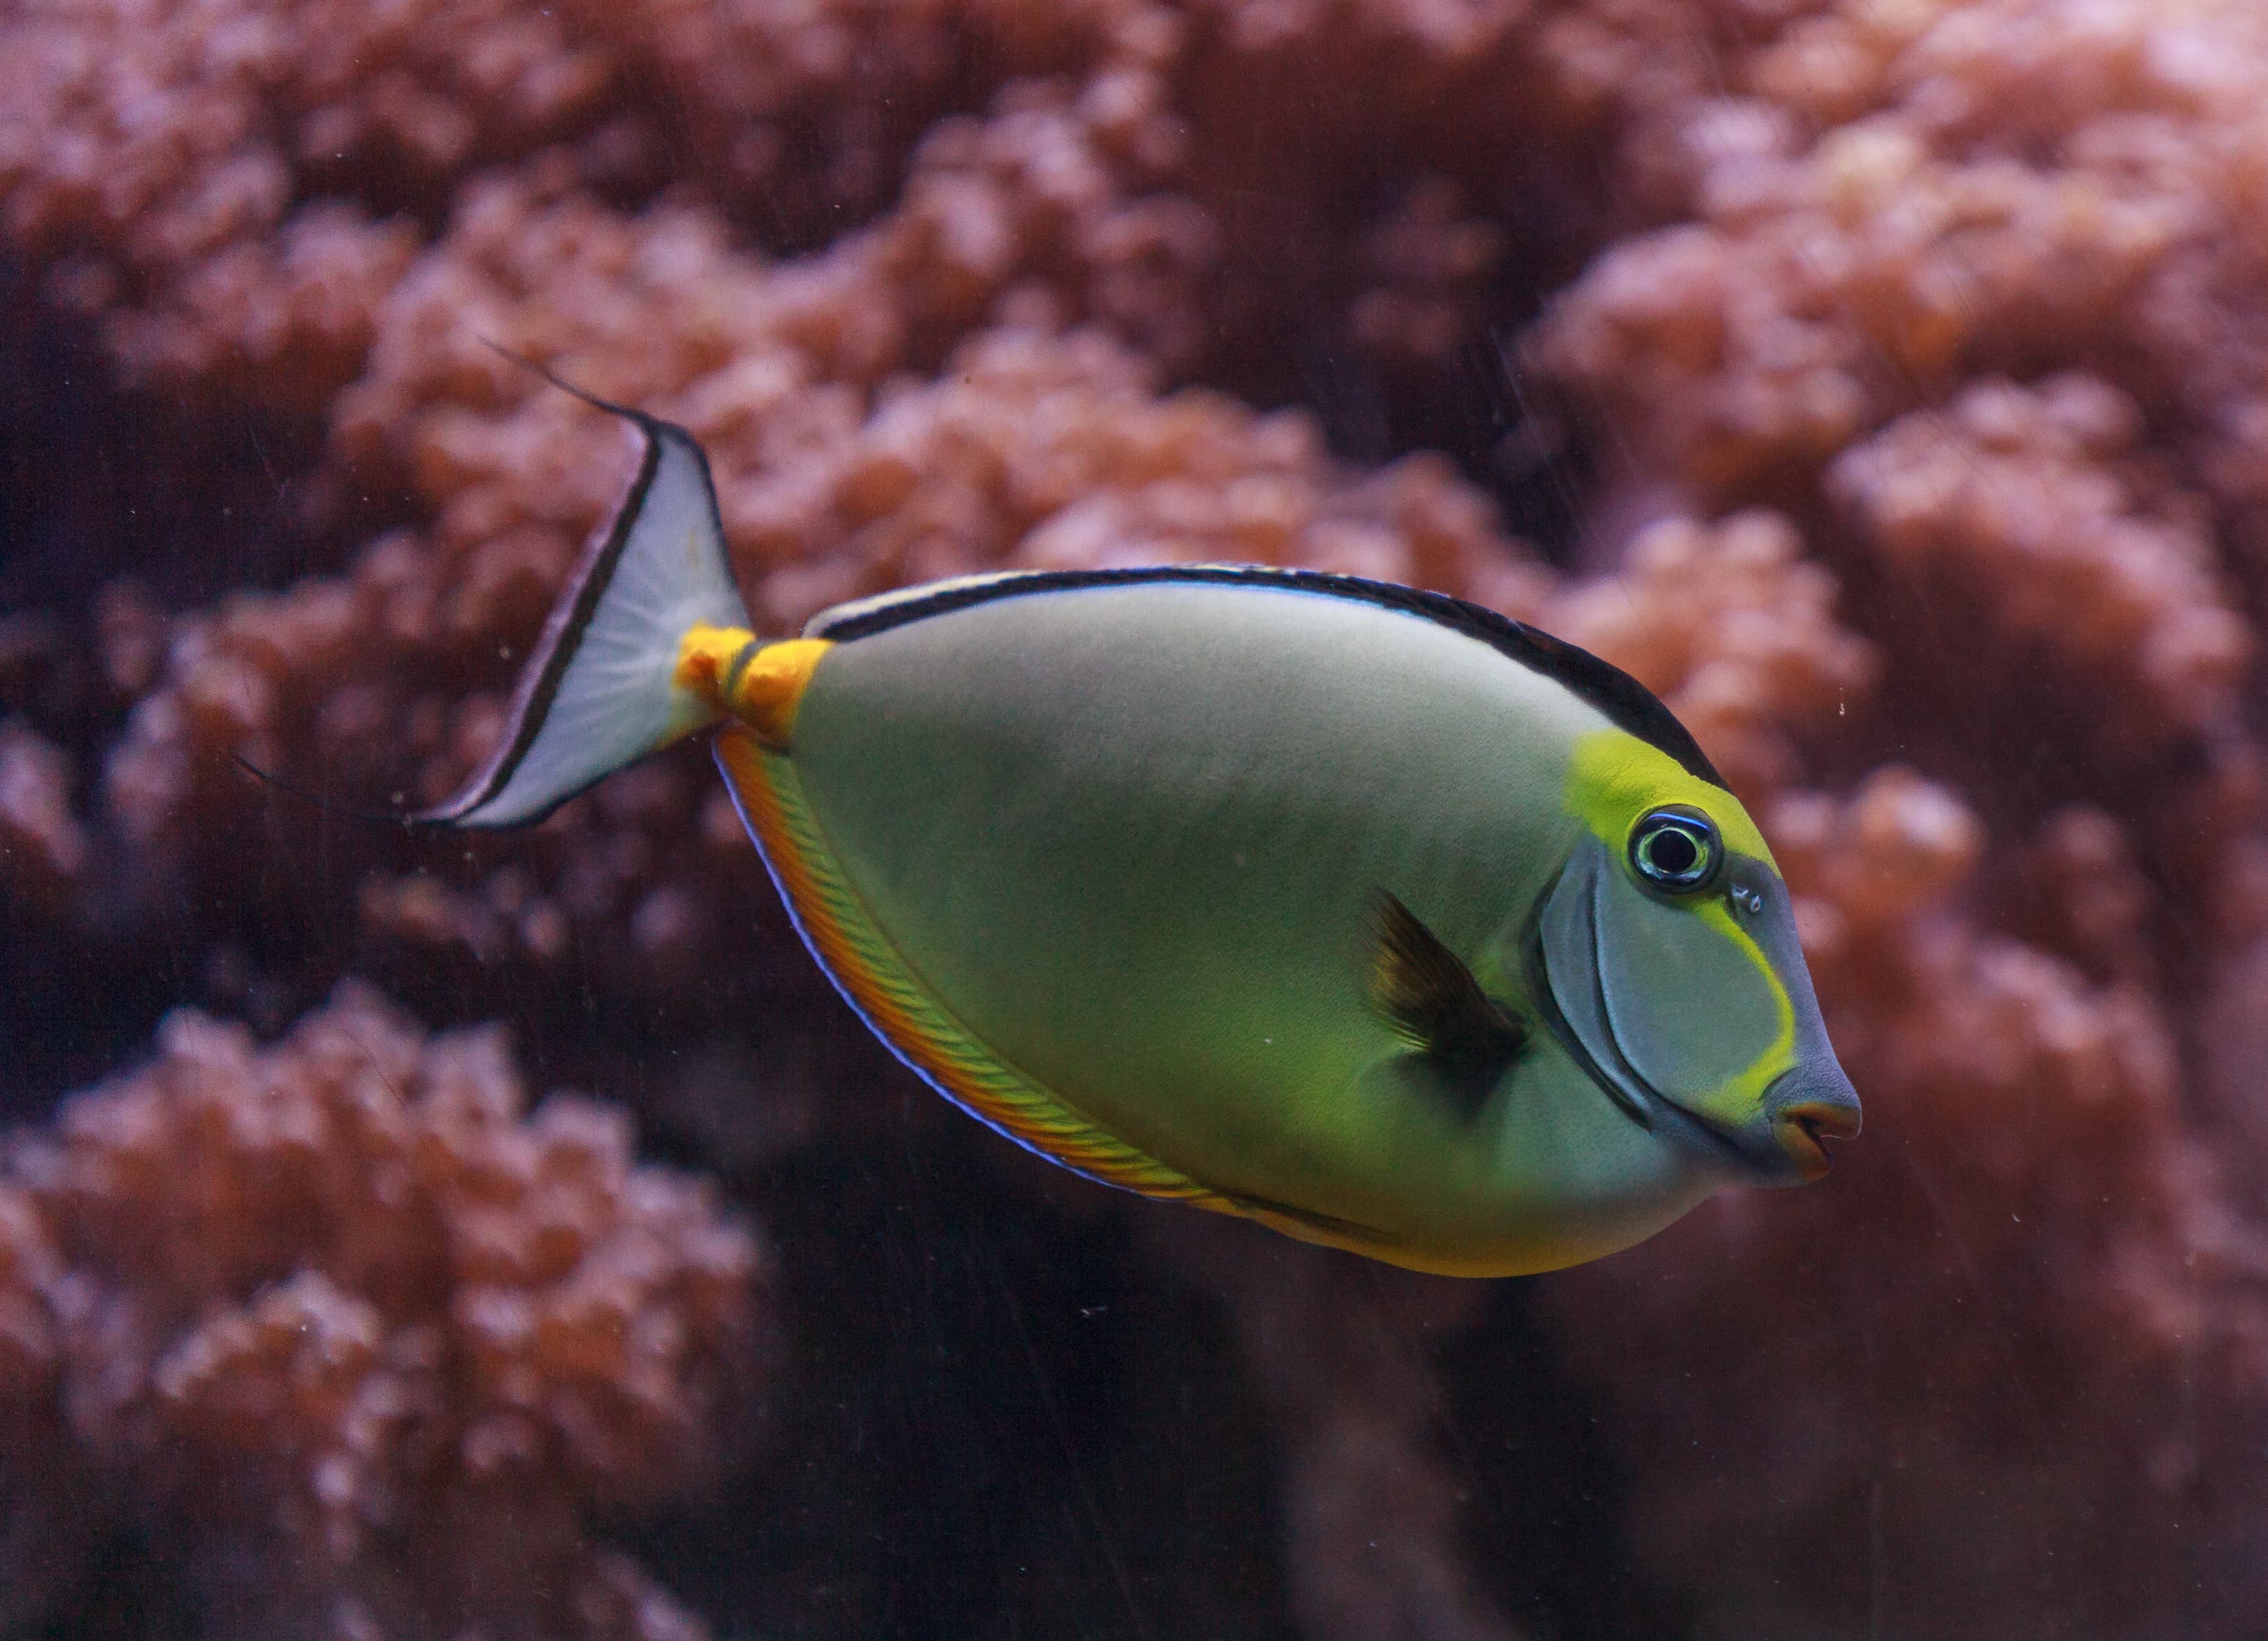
(1364, 912)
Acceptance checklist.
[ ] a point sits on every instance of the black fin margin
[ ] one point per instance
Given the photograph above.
(563, 632)
(1624, 701)
(555, 647)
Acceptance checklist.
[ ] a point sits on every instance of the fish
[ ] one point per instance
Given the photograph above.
(1361, 911)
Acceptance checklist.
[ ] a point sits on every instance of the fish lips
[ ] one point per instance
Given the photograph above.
(1804, 1108)
(1809, 1106)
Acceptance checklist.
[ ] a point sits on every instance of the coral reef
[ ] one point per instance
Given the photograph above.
(164, 155)
(1034, 445)
(2032, 510)
(1728, 624)
(1370, 1502)
(1936, 280)
(360, 1343)
(2027, 1179)
(1884, 384)
(42, 847)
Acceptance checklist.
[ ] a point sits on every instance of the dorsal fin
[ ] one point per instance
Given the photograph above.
(1624, 701)
(1429, 999)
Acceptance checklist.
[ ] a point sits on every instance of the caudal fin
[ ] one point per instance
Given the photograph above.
(603, 687)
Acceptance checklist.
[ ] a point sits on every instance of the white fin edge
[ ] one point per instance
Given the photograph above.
(601, 690)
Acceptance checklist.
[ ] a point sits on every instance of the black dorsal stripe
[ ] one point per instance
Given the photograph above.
(1626, 703)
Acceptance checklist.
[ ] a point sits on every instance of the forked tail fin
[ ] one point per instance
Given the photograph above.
(604, 688)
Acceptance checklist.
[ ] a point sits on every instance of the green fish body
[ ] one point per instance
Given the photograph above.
(1363, 912)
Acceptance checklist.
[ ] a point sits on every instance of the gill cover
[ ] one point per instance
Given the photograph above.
(603, 687)
(1695, 1007)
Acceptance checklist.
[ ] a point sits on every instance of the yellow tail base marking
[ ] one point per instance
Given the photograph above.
(760, 684)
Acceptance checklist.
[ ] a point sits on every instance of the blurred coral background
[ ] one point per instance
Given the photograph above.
(1885, 382)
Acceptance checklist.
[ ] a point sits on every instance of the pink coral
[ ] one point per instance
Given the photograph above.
(2032, 512)
(42, 847)
(1732, 628)
(48, 1512)
(1968, 285)
(157, 150)
(1889, 378)
(335, 1305)
(1035, 447)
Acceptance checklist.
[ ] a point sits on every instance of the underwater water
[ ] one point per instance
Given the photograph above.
(408, 1234)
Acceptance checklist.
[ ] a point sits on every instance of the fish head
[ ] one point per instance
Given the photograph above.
(1665, 959)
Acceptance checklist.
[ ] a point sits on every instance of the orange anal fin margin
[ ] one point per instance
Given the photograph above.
(854, 953)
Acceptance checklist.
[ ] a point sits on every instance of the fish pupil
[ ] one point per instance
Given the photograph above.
(1672, 853)
(1675, 851)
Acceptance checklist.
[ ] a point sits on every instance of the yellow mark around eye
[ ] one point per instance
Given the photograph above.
(1615, 777)
(1612, 780)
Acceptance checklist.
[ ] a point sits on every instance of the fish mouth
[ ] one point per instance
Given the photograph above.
(1806, 1130)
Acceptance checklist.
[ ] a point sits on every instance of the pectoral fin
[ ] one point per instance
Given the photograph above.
(1431, 1001)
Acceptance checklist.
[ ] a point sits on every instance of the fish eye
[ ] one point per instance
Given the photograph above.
(1677, 849)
